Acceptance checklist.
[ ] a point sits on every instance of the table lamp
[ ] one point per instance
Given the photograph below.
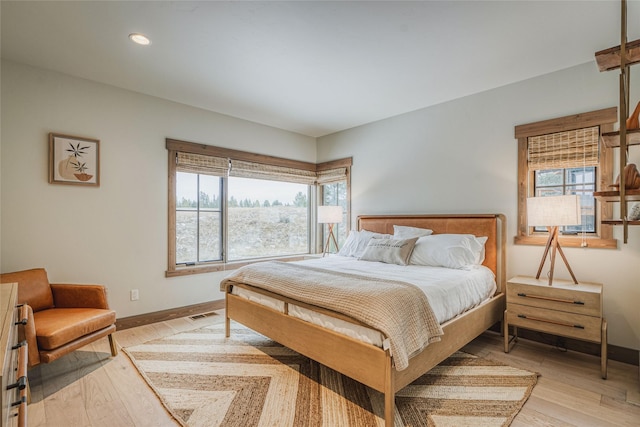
(329, 215)
(552, 212)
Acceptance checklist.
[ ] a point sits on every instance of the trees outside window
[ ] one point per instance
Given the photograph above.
(272, 219)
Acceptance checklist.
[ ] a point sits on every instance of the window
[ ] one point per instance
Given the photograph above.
(334, 182)
(570, 181)
(228, 207)
(563, 156)
(267, 218)
(335, 194)
(198, 218)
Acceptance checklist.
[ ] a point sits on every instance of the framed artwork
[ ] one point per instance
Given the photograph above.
(74, 160)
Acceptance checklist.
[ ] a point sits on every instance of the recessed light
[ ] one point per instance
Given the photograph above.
(140, 39)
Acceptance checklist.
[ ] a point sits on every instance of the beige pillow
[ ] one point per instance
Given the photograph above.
(405, 232)
(357, 242)
(389, 251)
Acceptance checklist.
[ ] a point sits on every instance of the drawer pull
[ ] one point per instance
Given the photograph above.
(566, 301)
(20, 344)
(22, 400)
(537, 319)
(21, 384)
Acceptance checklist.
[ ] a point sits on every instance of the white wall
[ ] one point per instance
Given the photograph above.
(455, 157)
(461, 157)
(115, 234)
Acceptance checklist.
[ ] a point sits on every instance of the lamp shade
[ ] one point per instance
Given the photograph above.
(329, 214)
(553, 211)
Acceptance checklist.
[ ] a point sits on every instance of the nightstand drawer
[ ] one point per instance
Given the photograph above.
(555, 322)
(556, 298)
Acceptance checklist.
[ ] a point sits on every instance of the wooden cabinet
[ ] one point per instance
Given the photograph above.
(564, 309)
(13, 359)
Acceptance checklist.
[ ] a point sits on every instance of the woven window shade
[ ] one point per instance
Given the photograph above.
(244, 169)
(197, 163)
(570, 149)
(332, 175)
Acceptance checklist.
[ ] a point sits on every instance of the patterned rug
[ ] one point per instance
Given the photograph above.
(204, 379)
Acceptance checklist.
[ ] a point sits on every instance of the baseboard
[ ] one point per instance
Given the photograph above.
(173, 313)
(619, 354)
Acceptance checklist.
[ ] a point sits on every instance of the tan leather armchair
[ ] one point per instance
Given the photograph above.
(61, 317)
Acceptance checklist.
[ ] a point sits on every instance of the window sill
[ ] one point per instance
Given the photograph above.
(568, 241)
(211, 268)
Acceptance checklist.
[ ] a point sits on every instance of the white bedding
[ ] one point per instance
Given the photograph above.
(450, 292)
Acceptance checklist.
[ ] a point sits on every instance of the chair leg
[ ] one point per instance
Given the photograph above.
(112, 344)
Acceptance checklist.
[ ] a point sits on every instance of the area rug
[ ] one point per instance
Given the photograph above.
(205, 379)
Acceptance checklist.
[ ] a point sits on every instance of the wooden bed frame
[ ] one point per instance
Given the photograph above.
(366, 363)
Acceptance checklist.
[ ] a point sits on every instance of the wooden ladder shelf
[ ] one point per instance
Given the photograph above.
(613, 59)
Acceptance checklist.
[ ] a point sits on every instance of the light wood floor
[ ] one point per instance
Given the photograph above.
(88, 388)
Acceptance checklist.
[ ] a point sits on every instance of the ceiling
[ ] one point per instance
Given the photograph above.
(312, 67)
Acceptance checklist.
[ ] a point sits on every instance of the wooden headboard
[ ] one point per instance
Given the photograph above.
(493, 226)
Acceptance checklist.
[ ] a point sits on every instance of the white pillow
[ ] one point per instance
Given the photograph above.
(634, 214)
(449, 250)
(357, 242)
(389, 251)
(404, 232)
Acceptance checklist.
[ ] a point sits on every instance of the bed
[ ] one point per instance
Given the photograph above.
(370, 364)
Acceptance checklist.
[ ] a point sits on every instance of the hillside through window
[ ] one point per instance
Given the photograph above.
(267, 218)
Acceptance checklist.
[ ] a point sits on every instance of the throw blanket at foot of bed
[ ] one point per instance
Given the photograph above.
(399, 310)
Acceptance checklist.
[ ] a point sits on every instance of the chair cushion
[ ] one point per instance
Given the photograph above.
(33, 287)
(58, 326)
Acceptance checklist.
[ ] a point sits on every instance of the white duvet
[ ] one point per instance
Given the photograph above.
(450, 292)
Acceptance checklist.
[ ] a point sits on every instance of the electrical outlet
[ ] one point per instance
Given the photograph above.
(134, 295)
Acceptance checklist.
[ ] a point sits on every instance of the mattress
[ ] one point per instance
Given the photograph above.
(450, 292)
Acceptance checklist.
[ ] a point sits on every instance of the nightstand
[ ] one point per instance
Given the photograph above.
(565, 309)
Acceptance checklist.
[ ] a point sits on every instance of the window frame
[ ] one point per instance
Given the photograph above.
(174, 146)
(603, 236)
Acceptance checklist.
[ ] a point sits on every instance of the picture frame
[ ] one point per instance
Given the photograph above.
(74, 160)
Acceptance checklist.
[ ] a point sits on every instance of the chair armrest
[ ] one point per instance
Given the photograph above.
(79, 296)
